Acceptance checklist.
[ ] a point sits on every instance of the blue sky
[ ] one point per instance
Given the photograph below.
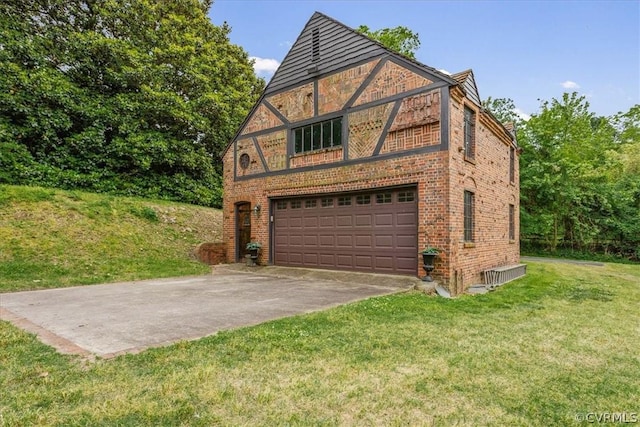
(523, 50)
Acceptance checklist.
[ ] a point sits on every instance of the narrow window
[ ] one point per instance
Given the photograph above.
(512, 164)
(317, 136)
(326, 134)
(512, 222)
(337, 132)
(468, 216)
(469, 133)
(315, 45)
(297, 136)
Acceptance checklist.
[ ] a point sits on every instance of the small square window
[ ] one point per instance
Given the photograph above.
(281, 204)
(310, 204)
(364, 199)
(326, 202)
(344, 201)
(383, 198)
(406, 196)
(296, 204)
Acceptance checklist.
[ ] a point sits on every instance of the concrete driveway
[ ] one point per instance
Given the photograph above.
(111, 319)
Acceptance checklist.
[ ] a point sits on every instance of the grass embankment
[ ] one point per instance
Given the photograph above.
(544, 350)
(52, 238)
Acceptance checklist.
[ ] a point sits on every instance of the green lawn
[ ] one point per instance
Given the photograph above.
(559, 343)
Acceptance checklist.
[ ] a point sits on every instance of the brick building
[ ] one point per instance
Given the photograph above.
(357, 158)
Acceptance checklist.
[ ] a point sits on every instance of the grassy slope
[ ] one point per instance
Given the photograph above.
(557, 344)
(52, 238)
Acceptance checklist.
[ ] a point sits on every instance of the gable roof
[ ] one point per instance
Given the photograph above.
(338, 46)
(468, 83)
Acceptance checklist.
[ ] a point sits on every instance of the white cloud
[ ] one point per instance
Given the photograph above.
(570, 85)
(524, 116)
(264, 67)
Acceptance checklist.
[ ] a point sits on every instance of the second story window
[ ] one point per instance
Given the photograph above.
(469, 133)
(318, 136)
(512, 164)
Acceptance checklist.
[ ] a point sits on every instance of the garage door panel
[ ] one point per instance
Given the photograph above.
(344, 220)
(310, 222)
(363, 241)
(311, 259)
(343, 241)
(295, 240)
(344, 261)
(326, 260)
(406, 241)
(364, 220)
(364, 261)
(384, 241)
(295, 222)
(327, 221)
(376, 237)
(408, 218)
(295, 258)
(384, 219)
(327, 240)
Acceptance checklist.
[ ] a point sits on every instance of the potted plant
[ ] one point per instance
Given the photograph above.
(254, 248)
(428, 259)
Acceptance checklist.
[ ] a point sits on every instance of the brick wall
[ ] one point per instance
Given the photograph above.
(488, 179)
(335, 90)
(212, 253)
(441, 177)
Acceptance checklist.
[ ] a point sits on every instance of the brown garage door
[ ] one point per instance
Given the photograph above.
(373, 231)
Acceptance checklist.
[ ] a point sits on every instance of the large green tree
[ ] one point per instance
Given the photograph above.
(135, 97)
(580, 175)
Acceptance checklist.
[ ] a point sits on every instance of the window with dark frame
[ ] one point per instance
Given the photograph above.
(363, 199)
(344, 201)
(383, 198)
(310, 204)
(469, 203)
(296, 204)
(406, 196)
(326, 202)
(317, 136)
(512, 222)
(469, 133)
(281, 204)
(512, 164)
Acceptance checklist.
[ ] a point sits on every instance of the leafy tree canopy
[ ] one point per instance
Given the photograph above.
(579, 175)
(399, 39)
(133, 97)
